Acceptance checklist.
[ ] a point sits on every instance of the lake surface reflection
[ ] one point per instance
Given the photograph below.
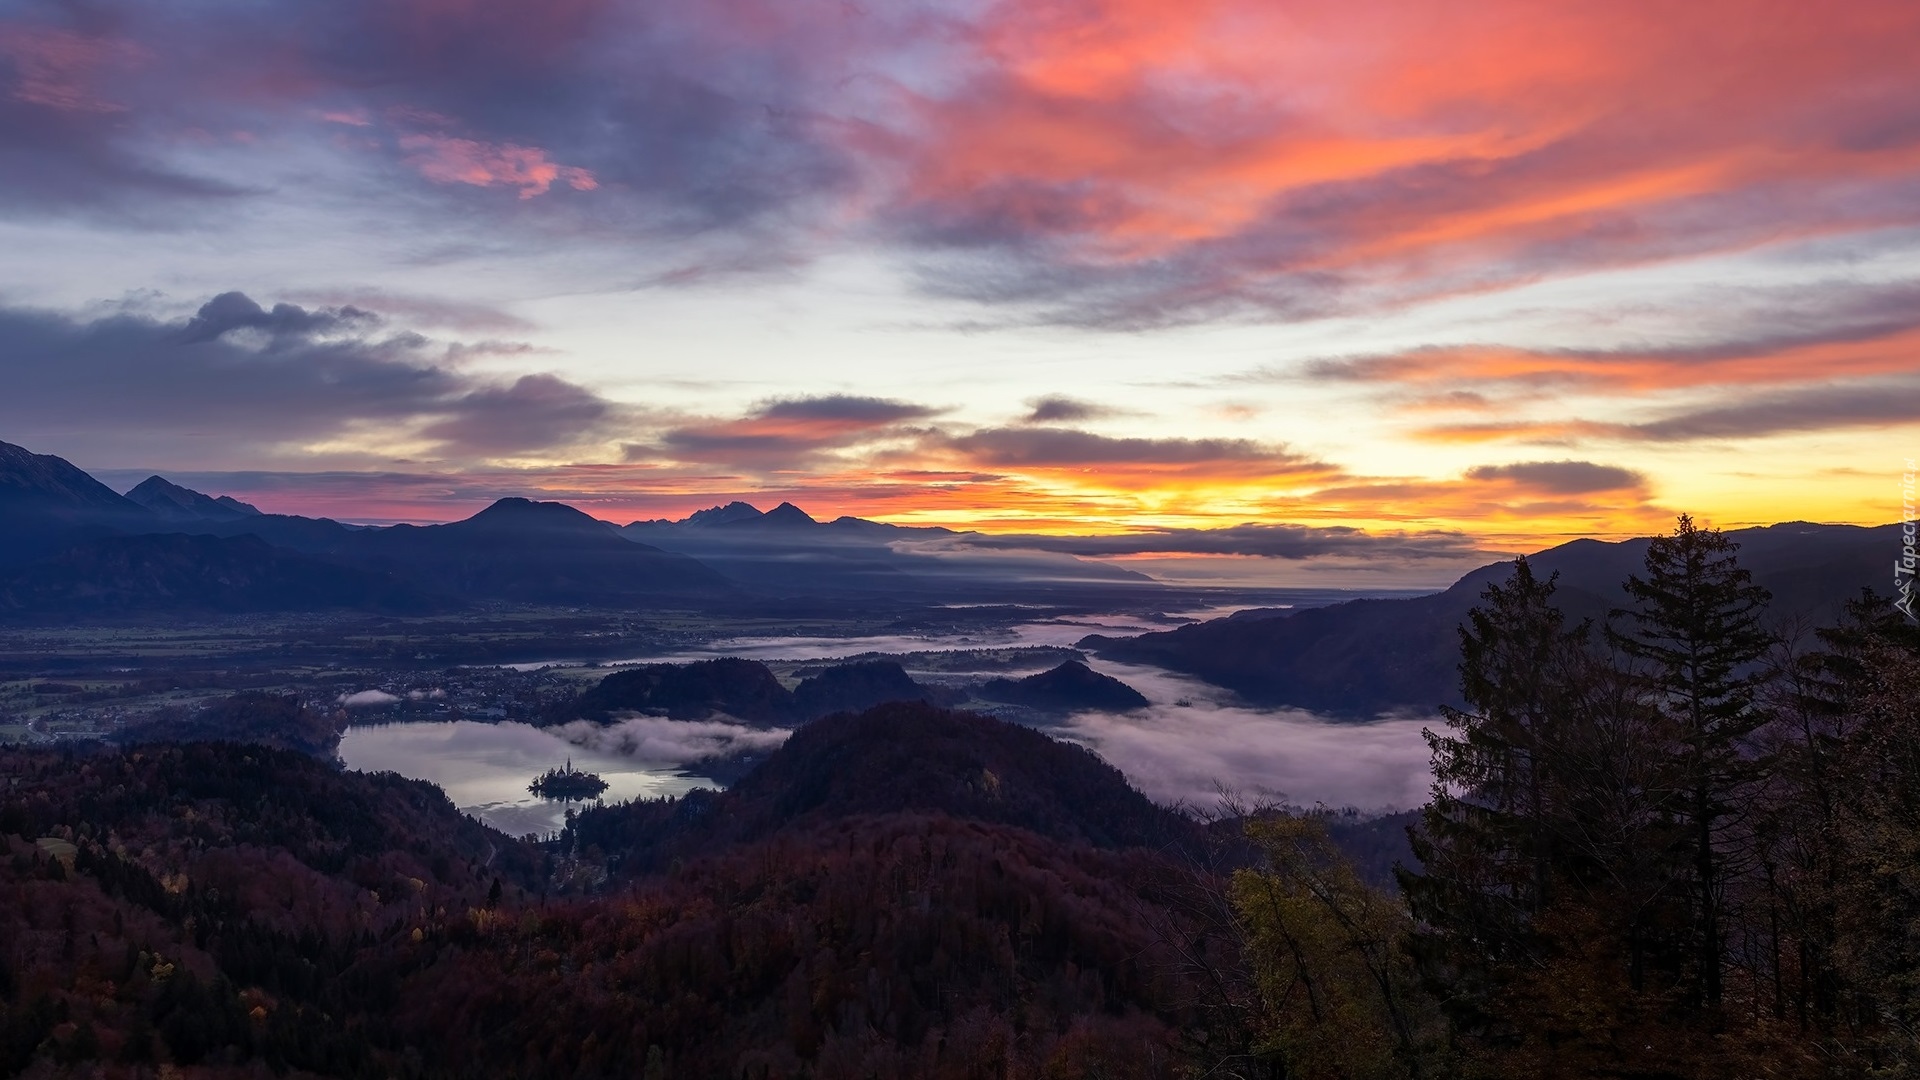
(485, 768)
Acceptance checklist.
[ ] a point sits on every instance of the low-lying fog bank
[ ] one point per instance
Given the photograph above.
(1190, 743)
(1194, 740)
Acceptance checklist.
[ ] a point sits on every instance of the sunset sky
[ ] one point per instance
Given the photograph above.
(1383, 280)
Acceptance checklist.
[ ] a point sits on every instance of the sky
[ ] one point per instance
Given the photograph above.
(1240, 284)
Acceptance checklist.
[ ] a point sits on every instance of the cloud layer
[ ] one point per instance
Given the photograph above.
(1098, 161)
(1403, 182)
(265, 378)
(656, 740)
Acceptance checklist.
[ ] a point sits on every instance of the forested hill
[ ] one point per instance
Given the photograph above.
(213, 902)
(898, 757)
(1363, 657)
(905, 893)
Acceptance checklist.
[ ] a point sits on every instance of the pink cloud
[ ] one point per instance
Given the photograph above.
(59, 69)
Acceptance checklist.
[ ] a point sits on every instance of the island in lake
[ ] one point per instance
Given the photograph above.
(567, 783)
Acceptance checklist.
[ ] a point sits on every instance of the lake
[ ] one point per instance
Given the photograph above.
(485, 768)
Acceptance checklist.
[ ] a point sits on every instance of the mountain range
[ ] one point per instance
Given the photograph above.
(71, 544)
(786, 549)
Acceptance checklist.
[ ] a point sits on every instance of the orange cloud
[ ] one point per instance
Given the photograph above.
(448, 160)
(1624, 372)
(1225, 151)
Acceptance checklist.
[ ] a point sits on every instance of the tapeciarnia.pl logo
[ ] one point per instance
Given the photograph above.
(1903, 567)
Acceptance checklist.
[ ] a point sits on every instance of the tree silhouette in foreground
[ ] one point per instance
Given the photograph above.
(1696, 627)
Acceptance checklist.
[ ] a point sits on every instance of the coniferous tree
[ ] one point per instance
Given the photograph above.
(1696, 629)
(1873, 668)
(1486, 842)
(1817, 703)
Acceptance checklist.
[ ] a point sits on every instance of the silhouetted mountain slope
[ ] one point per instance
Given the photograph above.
(41, 484)
(1071, 687)
(1365, 656)
(547, 553)
(175, 572)
(174, 503)
(47, 504)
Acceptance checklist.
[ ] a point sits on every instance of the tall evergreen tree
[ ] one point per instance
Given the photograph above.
(1696, 628)
(1486, 842)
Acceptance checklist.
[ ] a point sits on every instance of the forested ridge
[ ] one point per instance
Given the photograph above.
(1677, 841)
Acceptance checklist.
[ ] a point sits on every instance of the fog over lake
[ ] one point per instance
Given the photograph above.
(1191, 741)
(1176, 752)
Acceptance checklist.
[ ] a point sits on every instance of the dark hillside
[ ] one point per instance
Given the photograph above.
(195, 904)
(237, 911)
(896, 948)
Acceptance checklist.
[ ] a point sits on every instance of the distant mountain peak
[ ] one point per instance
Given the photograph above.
(787, 514)
(724, 515)
(518, 514)
(171, 501)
